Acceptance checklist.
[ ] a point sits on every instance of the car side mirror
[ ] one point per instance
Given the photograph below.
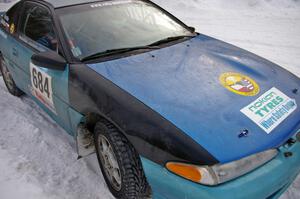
(49, 59)
(192, 29)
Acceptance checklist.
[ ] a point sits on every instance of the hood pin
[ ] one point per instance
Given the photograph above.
(295, 91)
(243, 133)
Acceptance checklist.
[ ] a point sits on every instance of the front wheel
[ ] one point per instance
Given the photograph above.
(120, 163)
(8, 80)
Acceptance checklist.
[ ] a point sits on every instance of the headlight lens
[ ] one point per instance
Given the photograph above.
(220, 173)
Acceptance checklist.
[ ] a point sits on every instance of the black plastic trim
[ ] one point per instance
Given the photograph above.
(49, 59)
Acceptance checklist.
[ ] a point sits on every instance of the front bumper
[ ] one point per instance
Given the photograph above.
(267, 182)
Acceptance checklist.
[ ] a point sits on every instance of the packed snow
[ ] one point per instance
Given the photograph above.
(38, 159)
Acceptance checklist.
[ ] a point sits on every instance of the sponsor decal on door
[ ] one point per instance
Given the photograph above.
(41, 86)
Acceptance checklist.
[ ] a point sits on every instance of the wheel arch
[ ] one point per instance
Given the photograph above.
(92, 118)
(85, 132)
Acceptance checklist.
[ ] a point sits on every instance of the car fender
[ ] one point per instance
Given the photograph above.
(153, 136)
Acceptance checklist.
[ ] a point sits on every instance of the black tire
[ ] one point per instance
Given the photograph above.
(133, 181)
(8, 80)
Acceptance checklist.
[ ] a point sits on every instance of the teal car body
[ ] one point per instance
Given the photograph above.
(173, 103)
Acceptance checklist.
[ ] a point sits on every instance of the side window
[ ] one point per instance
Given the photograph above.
(37, 25)
(9, 20)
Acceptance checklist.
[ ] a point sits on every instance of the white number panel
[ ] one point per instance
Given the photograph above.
(41, 86)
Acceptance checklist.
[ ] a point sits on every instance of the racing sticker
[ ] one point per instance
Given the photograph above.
(41, 87)
(271, 109)
(239, 84)
(12, 28)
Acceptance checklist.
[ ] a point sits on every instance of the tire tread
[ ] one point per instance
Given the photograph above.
(133, 177)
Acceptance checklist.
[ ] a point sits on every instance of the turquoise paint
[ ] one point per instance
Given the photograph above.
(261, 183)
(66, 117)
(19, 65)
(75, 119)
(6, 41)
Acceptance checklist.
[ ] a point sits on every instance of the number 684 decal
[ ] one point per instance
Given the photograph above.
(41, 86)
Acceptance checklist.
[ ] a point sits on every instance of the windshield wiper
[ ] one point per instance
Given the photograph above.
(116, 51)
(170, 39)
(154, 45)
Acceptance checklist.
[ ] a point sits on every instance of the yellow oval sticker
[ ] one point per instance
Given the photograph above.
(239, 84)
(12, 29)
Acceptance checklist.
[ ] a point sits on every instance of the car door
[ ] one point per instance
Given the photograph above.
(8, 35)
(48, 87)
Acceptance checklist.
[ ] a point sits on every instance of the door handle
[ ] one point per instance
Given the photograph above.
(15, 52)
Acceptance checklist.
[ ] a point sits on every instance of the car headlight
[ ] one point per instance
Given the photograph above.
(220, 173)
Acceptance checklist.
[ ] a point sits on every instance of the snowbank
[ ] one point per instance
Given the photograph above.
(5, 6)
(269, 28)
(36, 154)
(234, 4)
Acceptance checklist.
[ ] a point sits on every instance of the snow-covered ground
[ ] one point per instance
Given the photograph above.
(38, 160)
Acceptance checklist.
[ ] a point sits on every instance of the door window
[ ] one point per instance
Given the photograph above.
(37, 24)
(10, 19)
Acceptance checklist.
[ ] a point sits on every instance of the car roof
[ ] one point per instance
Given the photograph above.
(63, 3)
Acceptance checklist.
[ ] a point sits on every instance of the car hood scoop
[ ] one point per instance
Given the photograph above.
(183, 83)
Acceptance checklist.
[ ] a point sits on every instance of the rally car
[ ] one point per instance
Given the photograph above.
(171, 113)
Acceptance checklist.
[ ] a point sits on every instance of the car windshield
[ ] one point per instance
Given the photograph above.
(109, 25)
